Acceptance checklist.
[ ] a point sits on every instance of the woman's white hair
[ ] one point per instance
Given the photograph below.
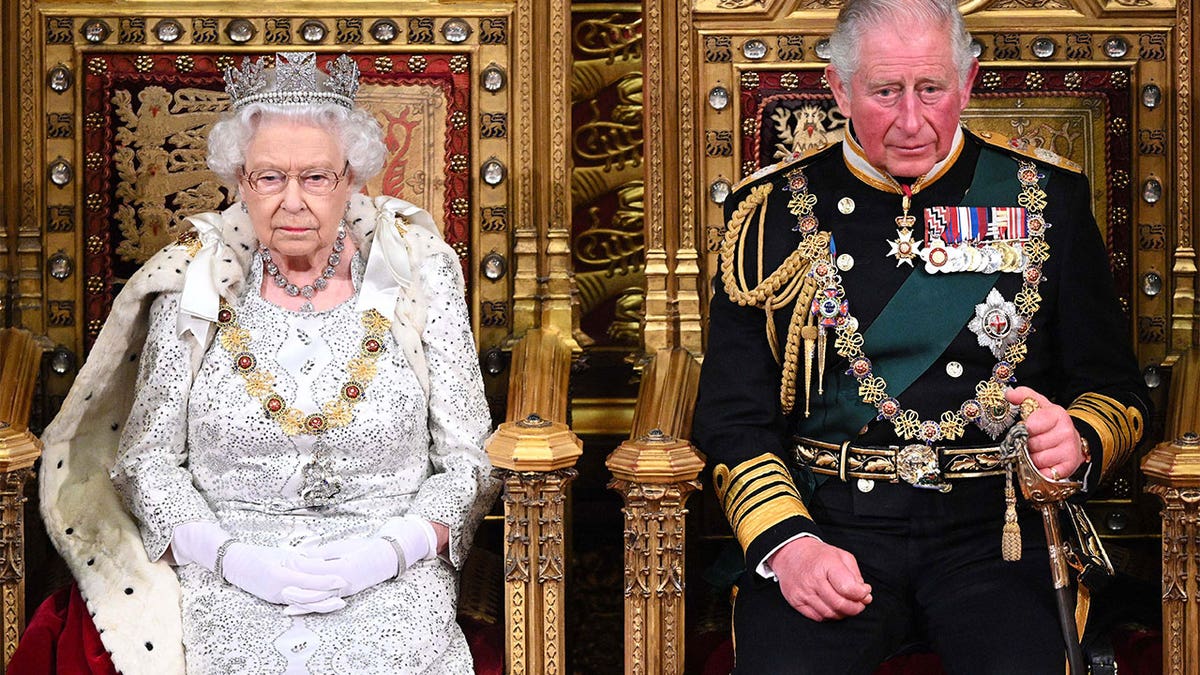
(859, 16)
(359, 133)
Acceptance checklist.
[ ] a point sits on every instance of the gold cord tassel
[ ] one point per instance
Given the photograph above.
(821, 362)
(1010, 540)
(809, 333)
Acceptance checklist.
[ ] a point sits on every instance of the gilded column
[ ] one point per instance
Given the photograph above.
(535, 458)
(20, 357)
(1172, 473)
(672, 263)
(655, 472)
(535, 454)
(1184, 329)
(19, 450)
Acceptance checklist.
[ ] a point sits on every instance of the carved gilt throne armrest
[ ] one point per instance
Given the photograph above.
(20, 359)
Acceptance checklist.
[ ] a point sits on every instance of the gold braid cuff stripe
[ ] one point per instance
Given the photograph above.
(1119, 427)
(756, 495)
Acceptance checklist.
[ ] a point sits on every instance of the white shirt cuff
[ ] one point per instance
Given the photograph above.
(764, 570)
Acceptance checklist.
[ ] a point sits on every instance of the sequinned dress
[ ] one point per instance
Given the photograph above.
(204, 449)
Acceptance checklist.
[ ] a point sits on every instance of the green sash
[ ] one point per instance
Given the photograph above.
(918, 323)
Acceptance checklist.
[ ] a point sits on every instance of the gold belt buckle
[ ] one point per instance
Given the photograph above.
(917, 465)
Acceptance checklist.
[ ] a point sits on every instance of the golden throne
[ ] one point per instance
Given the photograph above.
(108, 106)
(1108, 84)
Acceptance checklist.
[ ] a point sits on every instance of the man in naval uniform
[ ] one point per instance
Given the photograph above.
(883, 308)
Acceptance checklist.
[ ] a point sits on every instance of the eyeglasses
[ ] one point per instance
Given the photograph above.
(315, 182)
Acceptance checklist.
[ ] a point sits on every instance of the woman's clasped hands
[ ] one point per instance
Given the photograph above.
(310, 578)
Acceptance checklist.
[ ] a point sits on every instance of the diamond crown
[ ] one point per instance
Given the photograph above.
(295, 80)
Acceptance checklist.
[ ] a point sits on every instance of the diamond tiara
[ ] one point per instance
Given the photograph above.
(295, 80)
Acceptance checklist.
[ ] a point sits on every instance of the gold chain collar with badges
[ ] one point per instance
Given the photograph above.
(988, 409)
(260, 383)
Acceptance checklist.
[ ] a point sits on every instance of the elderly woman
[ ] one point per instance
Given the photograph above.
(288, 402)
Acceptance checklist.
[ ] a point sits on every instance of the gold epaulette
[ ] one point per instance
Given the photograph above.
(1026, 149)
(789, 283)
(782, 164)
(1119, 427)
(756, 495)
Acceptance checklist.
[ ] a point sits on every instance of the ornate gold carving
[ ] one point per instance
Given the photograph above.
(654, 573)
(1173, 473)
(131, 30)
(610, 38)
(349, 30)
(420, 30)
(655, 473)
(617, 143)
(20, 358)
(1029, 4)
(493, 31)
(204, 31)
(533, 534)
(618, 248)
(718, 48)
(535, 454)
(1183, 302)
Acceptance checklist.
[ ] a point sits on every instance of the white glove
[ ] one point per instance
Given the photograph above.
(270, 573)
(197, 542)
(366, 562)
(263, 571)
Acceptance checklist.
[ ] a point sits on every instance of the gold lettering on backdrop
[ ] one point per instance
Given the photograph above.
(160, 165)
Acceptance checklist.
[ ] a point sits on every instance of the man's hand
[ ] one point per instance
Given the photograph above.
(1053, 441)
(820, 581)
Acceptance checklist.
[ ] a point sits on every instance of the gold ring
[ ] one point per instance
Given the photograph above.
(1054, 473)
(1027, 407)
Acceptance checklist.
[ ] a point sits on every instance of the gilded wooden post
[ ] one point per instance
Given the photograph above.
(20, 356)
(18, 451)
(655, 473)
(1172, 472)
(535, 456)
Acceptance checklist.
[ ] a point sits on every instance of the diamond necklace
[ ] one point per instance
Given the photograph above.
(318, 284)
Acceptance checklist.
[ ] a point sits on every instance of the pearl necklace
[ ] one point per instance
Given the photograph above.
(318, 284)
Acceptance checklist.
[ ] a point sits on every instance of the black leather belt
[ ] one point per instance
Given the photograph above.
(918, 465)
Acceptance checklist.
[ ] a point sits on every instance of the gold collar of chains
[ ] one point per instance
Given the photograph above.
(260, 384)
(988, 409)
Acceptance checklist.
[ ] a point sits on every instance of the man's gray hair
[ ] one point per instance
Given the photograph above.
(859, 16)
(357, 132)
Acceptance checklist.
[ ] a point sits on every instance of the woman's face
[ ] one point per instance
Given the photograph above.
(293, 222)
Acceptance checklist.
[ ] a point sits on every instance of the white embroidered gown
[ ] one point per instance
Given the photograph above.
(207, 451)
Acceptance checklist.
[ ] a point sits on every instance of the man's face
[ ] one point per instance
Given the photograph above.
(905, 98)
